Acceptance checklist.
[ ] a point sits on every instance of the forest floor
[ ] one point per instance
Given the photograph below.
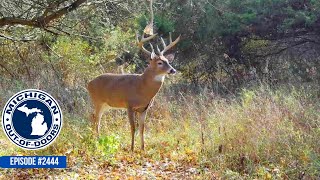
(85, 159)
(127, 168)
(261, 135)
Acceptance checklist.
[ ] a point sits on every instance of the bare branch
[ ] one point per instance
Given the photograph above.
(43, 20)
(76, 34)
(13, 39)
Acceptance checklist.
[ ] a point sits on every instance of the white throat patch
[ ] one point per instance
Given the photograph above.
(159, 78)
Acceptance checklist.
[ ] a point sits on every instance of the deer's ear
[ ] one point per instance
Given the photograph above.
(170, 57)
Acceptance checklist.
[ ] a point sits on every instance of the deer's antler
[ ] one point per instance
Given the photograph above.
(167, 47)
(149, 30)
(143, 40)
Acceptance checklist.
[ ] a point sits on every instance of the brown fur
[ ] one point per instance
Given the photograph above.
(131, 91)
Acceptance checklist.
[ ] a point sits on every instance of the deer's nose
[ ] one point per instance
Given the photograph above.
(172, 71)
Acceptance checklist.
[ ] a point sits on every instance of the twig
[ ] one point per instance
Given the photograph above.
(75, 34)
(14, 39)
(55, 53)
(43, 20)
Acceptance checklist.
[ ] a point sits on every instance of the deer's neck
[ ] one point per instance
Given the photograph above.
(152, 82)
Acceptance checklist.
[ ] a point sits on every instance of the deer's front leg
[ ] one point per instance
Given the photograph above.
(141, 127)
(131, 115)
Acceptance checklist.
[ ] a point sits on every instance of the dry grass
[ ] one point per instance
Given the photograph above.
(260, 134)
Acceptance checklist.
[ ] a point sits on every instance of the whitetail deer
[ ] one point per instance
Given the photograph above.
(134, 92)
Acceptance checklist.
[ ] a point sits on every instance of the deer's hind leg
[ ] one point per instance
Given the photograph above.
(142, 118)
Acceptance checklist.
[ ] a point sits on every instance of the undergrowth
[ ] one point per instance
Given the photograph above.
(260, 134)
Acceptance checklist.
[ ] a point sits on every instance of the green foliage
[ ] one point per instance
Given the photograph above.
(162, 23)
(247, 97)
(108, 144)
(73, 50)
(141, 22)
(229, 19)
(73, 57)
(238, 16)
(254, 45)
(117, 40)
(229, 174)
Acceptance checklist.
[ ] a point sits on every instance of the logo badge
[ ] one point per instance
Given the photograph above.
(32, 119)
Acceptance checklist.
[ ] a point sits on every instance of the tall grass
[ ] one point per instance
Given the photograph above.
(260, 133)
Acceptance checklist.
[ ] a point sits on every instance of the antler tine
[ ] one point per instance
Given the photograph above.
(163, 43)
(143, 40)
(166, 48)
(149, 31)
(158, 49)
(137, 39)
(145, 50)
(151, 47)
(170, 37)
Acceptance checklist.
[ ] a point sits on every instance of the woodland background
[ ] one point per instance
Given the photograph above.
(244, 105)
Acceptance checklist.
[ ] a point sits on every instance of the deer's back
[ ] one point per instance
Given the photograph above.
(113, 89)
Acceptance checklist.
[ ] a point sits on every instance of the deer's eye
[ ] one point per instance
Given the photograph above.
(160, 63)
